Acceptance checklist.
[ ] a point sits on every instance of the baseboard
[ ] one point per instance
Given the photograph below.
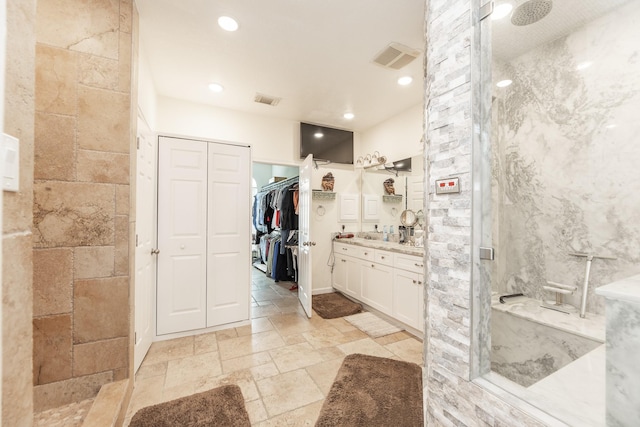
(322, 291)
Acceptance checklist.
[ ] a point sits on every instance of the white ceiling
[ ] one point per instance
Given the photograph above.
(316, 55)
(510, 41)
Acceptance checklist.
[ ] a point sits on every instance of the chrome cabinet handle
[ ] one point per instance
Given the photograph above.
(155, 251)
(418, 265)
(343, 260)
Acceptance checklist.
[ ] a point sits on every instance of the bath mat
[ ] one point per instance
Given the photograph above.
(372, 325)
(333, 305)
(221, 406)
(374, 391)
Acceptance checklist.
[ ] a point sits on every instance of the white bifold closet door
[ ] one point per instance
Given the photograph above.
(229, 235)
(203, 234)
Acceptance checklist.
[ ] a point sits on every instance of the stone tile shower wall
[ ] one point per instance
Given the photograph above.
(17, 291)
(564, 178)
(83, 135)
(450, 398)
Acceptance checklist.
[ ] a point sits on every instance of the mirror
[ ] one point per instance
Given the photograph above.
(408, 218)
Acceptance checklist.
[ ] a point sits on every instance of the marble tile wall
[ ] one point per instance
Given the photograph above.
(84, 132)
(565, 154)
(451, 399)
(17, 290)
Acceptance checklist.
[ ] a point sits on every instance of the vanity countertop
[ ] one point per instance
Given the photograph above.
(380, 244)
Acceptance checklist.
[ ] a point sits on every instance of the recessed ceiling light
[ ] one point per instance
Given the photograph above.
(501, 11)
(348, 116)
(216, 87)
(584, 65)
(318, 134)
(227, 23)
(504, 83)
(405, 80)
(612, 126)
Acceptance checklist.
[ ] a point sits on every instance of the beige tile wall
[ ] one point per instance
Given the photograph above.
(17, 290)
(81, 218)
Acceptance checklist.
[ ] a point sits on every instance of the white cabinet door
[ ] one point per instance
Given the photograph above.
(407, 298)
(377, 286)
(339, 275)
(354, 278)
(182, 235)
(229, 234)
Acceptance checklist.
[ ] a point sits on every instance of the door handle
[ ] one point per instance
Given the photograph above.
(155, 251)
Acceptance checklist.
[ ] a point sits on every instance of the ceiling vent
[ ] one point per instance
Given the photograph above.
(267, 100)
(396, 56)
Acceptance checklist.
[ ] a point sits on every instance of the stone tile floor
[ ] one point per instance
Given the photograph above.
(284, 362)
(72, 415)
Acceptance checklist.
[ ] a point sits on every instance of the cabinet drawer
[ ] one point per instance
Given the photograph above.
(367, 254)
(349, 250)
(409, 263)
(383, 257)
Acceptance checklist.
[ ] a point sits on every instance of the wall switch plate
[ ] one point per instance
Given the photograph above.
(10, 151)
(448, 186)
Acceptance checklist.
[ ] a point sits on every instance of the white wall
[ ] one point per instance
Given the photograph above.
(147, 96)
(397, 138)
(272, 140)
(322, 226)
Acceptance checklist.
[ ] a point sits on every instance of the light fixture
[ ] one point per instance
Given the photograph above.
(611, 126)
(348, 116)
(216, 87)
(405, 80)
(584, 65)
(504, 83)
(374, 160)
(318, 135)
(501, 11)
(227, 23)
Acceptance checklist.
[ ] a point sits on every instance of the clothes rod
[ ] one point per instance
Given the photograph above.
(280, 184)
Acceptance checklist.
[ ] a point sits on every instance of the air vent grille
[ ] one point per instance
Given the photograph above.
(267, 99)
(396, 56)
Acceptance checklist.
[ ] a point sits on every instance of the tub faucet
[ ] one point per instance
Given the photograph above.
(585, 286)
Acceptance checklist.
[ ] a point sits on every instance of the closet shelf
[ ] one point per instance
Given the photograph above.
(387, 198)
(323, 195)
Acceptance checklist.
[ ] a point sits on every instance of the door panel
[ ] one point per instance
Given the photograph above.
(145, 262)
(304, 253)
(182, 231)
(229, 234)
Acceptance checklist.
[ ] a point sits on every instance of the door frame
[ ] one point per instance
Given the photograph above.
(275, 163)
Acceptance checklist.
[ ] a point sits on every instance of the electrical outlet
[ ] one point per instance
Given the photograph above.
(448, 186)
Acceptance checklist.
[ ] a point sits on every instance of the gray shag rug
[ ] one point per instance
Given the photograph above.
(221, 406)
(334, 305)
(374, 391)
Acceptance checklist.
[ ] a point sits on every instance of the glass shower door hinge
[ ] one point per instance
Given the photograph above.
(486, 253)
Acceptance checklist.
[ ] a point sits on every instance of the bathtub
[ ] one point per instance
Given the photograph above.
(529, 343)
